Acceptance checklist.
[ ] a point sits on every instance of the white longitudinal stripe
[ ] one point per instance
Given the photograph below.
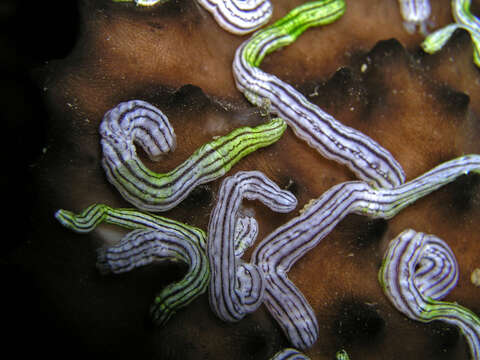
(133, 123)
(281, 249)
(246, 231)
(132, 219)
(154, 238)
(143, 2)
(417, 271)
(145, 246)
(462, 15)
(364, 156)
(464, 19)
(428, 255)
(140, 122)
(236, 287)
(416, 14)
(239, 16)
(235, 16)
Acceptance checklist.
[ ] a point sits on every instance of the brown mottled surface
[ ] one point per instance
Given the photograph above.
(424, 109)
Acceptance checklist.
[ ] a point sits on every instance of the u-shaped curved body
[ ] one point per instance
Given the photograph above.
(236, 287)
(365, 157)
(281, 249)
(154, 238)
(127, 124)
(145, 246)
(417, 271)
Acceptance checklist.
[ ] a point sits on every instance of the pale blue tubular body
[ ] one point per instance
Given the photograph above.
(236, 287)
(129, 123)
(418, 270)
(153, 239)
(281, 249)
(365, 157)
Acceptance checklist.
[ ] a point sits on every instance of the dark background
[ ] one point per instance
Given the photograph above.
(32, 34)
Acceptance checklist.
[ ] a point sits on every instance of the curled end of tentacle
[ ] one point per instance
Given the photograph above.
(160, 312)
(84, 222)
(251, 286)
(436, 40)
